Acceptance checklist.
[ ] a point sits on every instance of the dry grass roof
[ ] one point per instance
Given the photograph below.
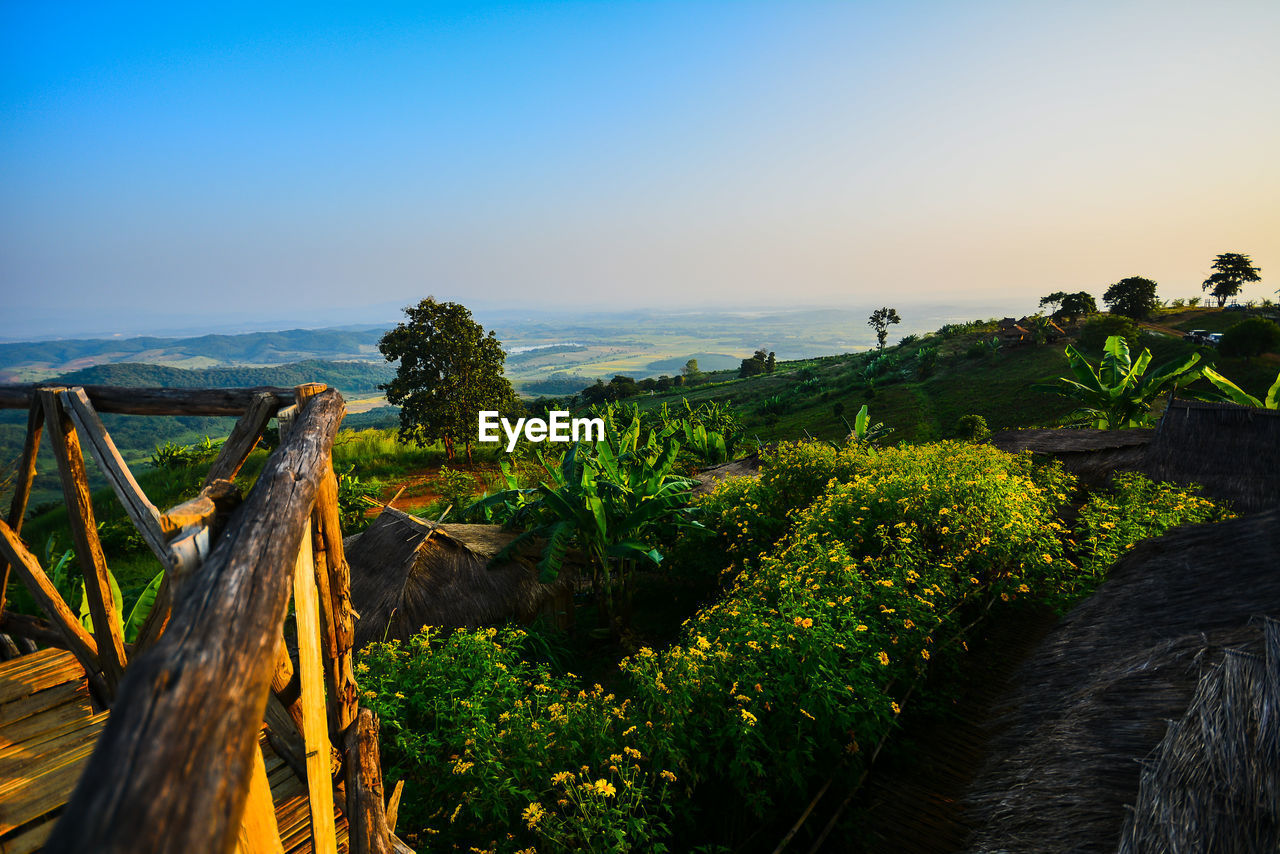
(1097, 695)
(407, 573)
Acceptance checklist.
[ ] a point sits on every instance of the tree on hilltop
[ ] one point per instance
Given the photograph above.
(1069, 305)
(880, 320)
(1134, 297)
(1232, 271)
(449, 369)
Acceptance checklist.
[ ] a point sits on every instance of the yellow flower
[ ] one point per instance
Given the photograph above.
(532, 815)
(924, 653)
(896, 708)
(461, 767)
(604, 787)
(884, 657)
(748, 718)
(1022, 588)
(561, 777)
(1047, 558)
(668, 776)
(860, 628)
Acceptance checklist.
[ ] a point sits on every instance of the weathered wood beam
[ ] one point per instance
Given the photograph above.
(315, 729)
(259, 833)
(75, 638)
(84, 533)
(367, 830)
(26, 474)
(171, 772)
(156, 401)
(333, 581)
(145, 516)
(32, 628)
(216, 501)
(243, 439)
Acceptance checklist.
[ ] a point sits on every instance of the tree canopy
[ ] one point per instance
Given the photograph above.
(1231, 272)
(1250, 338)
(880, 320)
(1071, 305)
(1133, 297)
(449, 369)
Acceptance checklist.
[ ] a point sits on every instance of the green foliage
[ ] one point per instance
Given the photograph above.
(880, 320)
(1069, 305)
(456, 488)
(927, 362)
(1132, 297)
(1231, 272)
(1119, 392)
(866, 432)
(972, 428)
(1249, 338)
(170, 456)
(355, 498)
(1094, 334)
(498, 748)
(449, 369)
(1232, 393)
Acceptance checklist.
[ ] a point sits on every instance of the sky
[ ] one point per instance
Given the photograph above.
(317, 163)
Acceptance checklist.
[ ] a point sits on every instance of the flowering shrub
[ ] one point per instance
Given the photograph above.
(857, 570)
(812, 651)
(1131, 509)
(500, 752)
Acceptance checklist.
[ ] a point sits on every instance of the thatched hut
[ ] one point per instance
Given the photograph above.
(1097, 695)
(1091, 455)
(1233, 451)
(407, 573)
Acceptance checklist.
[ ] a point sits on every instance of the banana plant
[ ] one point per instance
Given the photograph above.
(1232, 393)
(1119, 392)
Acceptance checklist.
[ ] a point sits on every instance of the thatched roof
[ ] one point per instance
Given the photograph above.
(1213, 784)
(407, 573)
(710, 476)
(1095, 697)
(1233, 451)
(1091, 455)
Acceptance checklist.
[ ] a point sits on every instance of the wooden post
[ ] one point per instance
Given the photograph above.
(333, 581)
(84, 532)
(22, 486)
(170, 773)
(259, 833)
(367, 830)
(244, 438)
(315, 732)
(145, 516)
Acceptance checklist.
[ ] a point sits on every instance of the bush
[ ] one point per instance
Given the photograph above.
(1250, 338)
(972, 427)
(1094, 333)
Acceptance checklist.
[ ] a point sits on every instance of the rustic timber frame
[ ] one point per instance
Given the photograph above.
(178, 767)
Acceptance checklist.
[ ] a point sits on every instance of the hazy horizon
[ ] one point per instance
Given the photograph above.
(198, 170)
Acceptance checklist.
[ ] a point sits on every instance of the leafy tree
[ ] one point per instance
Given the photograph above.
(880, 320)
(1231, 272)
(1071, 305)
(1250, 338)
(1119, 392)
(449, 369)
(771, 363)
(1133, 297)
(755, 365)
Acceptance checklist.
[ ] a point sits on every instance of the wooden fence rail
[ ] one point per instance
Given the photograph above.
(177, 768)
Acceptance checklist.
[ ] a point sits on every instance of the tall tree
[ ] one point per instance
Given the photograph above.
(1232, 271)
(880, 320)
(449, 369)
(1133, 297)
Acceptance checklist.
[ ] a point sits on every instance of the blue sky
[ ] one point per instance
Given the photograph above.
(157, 158)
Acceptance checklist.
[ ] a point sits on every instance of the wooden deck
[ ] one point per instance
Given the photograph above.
(48, 729)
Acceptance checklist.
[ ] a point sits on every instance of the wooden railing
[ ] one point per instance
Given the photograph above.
(178, 768)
